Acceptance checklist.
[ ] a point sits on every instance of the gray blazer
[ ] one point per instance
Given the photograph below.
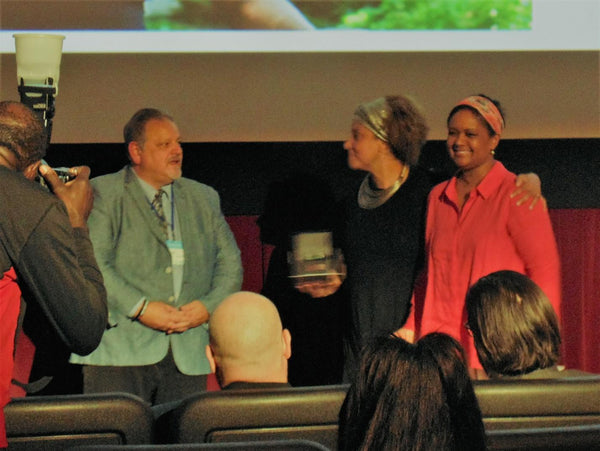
(135, 262)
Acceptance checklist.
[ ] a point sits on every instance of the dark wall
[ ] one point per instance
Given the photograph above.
(241, 172)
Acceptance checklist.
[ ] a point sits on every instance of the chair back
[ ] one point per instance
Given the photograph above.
(275, 445)
(560, 438)
(62, 421)
(309, 413)
(536, 403)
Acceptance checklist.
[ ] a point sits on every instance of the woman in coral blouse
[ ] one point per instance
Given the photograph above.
(475, 228)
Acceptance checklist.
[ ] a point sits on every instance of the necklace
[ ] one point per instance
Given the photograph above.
(369, 198)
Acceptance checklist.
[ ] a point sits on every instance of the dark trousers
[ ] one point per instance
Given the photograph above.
(157, 384)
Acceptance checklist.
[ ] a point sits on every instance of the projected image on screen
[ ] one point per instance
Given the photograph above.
(340, 14)
(121, 26)
(266, 14)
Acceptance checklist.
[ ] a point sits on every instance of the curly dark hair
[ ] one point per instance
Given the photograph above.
(22, 133)
(406, 128)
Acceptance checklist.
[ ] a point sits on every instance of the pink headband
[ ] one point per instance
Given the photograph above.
(488, 110)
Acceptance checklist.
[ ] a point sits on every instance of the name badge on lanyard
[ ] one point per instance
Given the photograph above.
(175, 246)
(176, 250)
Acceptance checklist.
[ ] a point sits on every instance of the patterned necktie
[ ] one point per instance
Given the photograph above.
(157, 206)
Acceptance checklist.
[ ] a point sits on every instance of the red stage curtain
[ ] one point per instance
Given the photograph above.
(578, 236)
(247, 235)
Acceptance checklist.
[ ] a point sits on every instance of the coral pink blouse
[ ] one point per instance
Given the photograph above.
(491, 233)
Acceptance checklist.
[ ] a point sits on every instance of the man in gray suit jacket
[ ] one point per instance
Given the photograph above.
(168, 258)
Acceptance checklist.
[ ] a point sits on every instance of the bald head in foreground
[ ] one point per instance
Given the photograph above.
(248, 344)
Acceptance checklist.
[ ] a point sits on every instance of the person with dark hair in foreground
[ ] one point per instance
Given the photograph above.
(514, 327)
(45, 252)
(412, 396)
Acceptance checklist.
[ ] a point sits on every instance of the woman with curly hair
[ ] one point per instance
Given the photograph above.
(385, 218)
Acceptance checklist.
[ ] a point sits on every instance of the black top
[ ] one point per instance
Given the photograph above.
(384, 249)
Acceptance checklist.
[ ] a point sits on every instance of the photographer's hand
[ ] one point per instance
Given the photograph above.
(77, 195)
